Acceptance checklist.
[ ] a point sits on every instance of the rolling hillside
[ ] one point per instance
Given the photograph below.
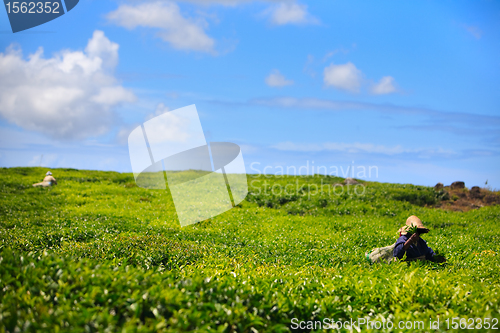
(96, 253)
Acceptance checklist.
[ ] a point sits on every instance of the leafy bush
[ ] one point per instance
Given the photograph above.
(96, 256)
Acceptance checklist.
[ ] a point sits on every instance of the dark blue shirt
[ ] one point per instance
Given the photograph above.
(414, 251)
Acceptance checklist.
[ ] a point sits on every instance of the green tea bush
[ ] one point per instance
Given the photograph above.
(104, 256)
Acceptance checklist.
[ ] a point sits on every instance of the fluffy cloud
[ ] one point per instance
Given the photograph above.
(125, 130)
(290, 13)
(474, 31)
(180, 32)
(276, 79)
(345, 77)
(357, 147)
(470, 124)
(218, 2)
(385, 86)
(69, 96)
(341, 147)
(160, 109)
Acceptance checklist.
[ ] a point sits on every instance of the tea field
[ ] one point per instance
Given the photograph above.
(96, 253)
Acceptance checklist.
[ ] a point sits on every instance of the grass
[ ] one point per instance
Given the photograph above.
(98, 254)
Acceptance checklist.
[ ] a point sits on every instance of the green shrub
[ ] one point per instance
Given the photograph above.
(96, 256)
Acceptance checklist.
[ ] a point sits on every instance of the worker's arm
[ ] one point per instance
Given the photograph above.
(412, 240)
(399, 250)
(430, 255)
(402, 244)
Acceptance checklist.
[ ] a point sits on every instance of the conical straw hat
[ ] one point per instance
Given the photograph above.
(411, 221)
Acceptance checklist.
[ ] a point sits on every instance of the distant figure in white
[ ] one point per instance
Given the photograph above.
(47, 181)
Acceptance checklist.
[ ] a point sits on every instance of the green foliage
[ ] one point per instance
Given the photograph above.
(97, 253)
(411, 230)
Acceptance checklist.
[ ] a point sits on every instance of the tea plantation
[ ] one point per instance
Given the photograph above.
(96, 253)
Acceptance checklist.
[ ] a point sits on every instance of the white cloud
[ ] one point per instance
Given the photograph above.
(361, 148)
(101, 47)
(218, 2)
(229, 3)
(474, 31)
(345, 77)
(125, 130)
(276, 79)
(342, 147)
(182, 33)
(112, 95)
(43, 160)
(248, 149)
(70, 95)
(308, 66)
(337, 51)
(20, 147)
(290, 13)
(160, 109)
(486, 126)
(123, 133)
(385, 86)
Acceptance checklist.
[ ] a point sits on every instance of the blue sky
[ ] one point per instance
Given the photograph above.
(412, 88)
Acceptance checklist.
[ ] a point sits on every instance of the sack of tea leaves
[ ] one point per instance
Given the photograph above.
(381, 254)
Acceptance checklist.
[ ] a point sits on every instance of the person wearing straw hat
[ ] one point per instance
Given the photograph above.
(49, 180)
(412, 244)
